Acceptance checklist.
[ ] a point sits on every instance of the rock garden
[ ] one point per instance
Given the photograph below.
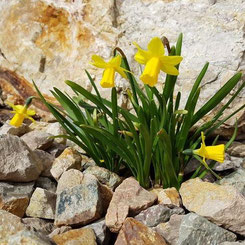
(122, 122)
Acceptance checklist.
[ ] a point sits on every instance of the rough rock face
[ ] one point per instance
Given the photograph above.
(133, 232)
(193, 229)
(222, 205)
(50, 41)
(17, 162)
(156, 214)
(42, 204)
(80, 204)
(83, 236)
(9, 225)
(128, 198)
(69, 159)
(14, 197)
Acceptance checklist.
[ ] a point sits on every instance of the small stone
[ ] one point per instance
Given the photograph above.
(46, 183)
(9, 129)
(84, 236)
(105, 176)
(170, 230)
(133, 232)
(10, 224)
(38, 125)
(69, 179)
(169, 196)
(101, 232)
(38, 140)
(14, 197)
(128, 198)
(157, 214)
(237, 149)
(56, 149)
(80, 204)
(47, 160)
(17, 162)
(223, 205)
(88, 162)
(69, 159)
(56, 129)
(25, 237)
(230, 162)
(42, 204)
(38, 225)
(51, 128)
(193, 229)
(235, 179)
(59, 230)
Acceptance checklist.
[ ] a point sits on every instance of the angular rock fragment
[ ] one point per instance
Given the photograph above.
(38, 140)
(170, 230)
(56, 129)
(69, 179)
(46, 183)
(38, 225)
(105, 176)
(17, 162)
(83, 236)
(56, 149)
(128, 198)
(157, 214)
(101, 232)
(222, 205)
(25, 237)
(169, 196)
(10, 224)
(69, 159)
(42, 204)
(193, 229)
(14, 197)
(59, 230)
(230, 162)
(47, 160)
(9, 129)
(235, 179)
(133, 232)
(80, 204)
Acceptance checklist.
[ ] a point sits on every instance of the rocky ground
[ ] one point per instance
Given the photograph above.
(51, 193)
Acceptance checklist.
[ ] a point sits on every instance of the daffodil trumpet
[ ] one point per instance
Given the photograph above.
(110, 68)
(155, 61)
(21, 112)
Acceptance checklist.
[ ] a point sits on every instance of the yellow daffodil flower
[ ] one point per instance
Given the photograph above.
(155, 60)
(112, 66)
(21, 112)
(216, 152)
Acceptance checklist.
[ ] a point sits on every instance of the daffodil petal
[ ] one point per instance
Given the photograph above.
(171, 70)
(171, 60)
(156, 47)
(121, 71)
(30, 118)
(31, 112)
(142, 56)
(203, 138)
(116, 61)
(98, 61)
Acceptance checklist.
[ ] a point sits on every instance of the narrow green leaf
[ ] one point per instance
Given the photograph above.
(217, 98)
